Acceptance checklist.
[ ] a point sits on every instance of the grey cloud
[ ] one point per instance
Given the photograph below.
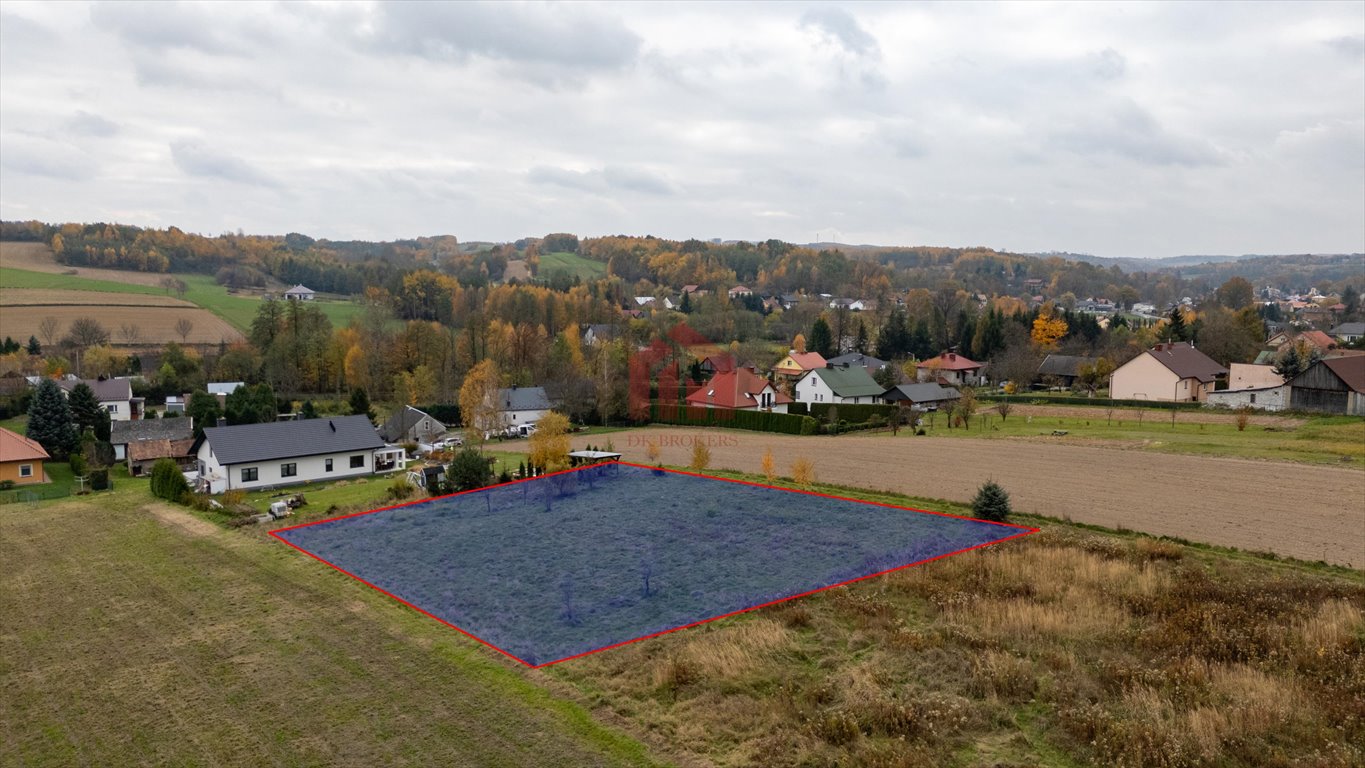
(89, 124)
(619, 178)
(196, 159)
(1108, 64)
(1351, 45)
(839, 26)
(554, 44)
(161, 26)
(1129, 131)
(45, 157)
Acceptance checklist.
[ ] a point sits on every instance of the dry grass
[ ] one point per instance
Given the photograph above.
(38, 257)
(24, 297)
(1067, 647)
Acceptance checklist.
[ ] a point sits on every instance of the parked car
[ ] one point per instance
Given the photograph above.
(446, 444)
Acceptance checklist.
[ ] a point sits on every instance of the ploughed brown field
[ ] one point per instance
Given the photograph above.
(155, 319)
(1293, 510)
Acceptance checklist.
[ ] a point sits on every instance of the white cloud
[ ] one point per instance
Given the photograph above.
(1111, 128)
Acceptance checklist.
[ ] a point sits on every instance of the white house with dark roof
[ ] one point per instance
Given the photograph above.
(523, 405)
(300, 293)
(251, 456)
(114, 396)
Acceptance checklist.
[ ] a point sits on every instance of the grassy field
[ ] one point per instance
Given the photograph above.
(1334, 440)
(138, 634)
(1071, 647)
(572, 263)
(238, 311)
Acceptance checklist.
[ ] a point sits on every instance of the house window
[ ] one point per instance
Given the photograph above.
(1253, 398)
(250, 474)
(113, 407)
(329, 465)
(358, 461)
(289, 470)
(26, 470)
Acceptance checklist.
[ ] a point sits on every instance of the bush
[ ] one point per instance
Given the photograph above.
(77, 464)
(167, 481)
(399, 488)
(991, 502)
(99, 480)
(701, 454)
(803, 471)
(809, 425)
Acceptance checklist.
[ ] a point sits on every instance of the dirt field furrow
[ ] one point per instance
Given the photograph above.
(1293, 510)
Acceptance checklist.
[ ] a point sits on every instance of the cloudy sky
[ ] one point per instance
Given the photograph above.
(1114, 129)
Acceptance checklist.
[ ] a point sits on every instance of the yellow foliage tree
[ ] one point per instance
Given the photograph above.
(550, 442)
(803, 471)
(102, 361)
(1048, 329)
(701, 454)
(479, 401)
(652, 451)
(799, 343)
(768, 470)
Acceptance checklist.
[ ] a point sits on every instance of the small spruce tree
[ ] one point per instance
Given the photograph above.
(85, 408)
(360, 403)
(991, 502)
(167, 481)
(308, 410)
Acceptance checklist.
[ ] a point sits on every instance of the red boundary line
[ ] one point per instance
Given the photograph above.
(1024, 530)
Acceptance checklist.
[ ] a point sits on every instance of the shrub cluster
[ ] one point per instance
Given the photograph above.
(167, 481)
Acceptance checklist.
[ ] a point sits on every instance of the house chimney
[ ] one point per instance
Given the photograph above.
(222, 421)
(332, 424)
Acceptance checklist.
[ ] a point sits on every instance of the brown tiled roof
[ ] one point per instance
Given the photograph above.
(734, 389)
(806, 361)
(1187, 362)
(949, 361)
(16, 447)
(1350, 370)
(142, 450)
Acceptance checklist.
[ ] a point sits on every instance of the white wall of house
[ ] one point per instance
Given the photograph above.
(119, 410)
(308, 469)
(810, 388)
(1268, 399)
(528, 416)
(1145, 378)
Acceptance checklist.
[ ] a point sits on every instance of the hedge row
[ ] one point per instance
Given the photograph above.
(845, 412)
(758, 421)
(1092, 402)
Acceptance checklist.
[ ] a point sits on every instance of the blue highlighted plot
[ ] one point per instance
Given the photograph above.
(570, 563)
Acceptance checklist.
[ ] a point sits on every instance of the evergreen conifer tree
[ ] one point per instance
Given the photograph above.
(308, 411)
(991, 502)
(49, 420)
(360, 403)
(85, 408)
(34, 348)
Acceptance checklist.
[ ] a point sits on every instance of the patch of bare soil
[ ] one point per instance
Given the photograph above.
(1306, 512)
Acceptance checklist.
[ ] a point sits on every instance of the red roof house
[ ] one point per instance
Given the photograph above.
(949, 368)
(740, 389)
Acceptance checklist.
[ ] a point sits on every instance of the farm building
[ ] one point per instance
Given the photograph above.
(924, 396)
(1275, 398)
(724, 363)
(300, 293)
(949, 368)
(599, 333)
(1334, 385)
(523, 405)
(1064, 369)
(1172, 371)
(411, 425)
(145, 453)
(114, 395)
(795, 364)
(838, 384)
(740, 389)
(21, 459)
(248, 456)
(1249, 376)
(124, 433)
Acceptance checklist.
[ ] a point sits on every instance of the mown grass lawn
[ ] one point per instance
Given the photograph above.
(1335, 440)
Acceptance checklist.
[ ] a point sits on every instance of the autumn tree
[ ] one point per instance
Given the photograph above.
(799, 343)
(183, 327)
(130, 333)
(102, 361)
(48, 329)
(1235, 293)
(1048, 328)
(768, 466)
(701, 454)
(803, 471)
(1094, 376)
(85, 332)
(550, 442)
(479, 401)
(652, 451)
(415, 386)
